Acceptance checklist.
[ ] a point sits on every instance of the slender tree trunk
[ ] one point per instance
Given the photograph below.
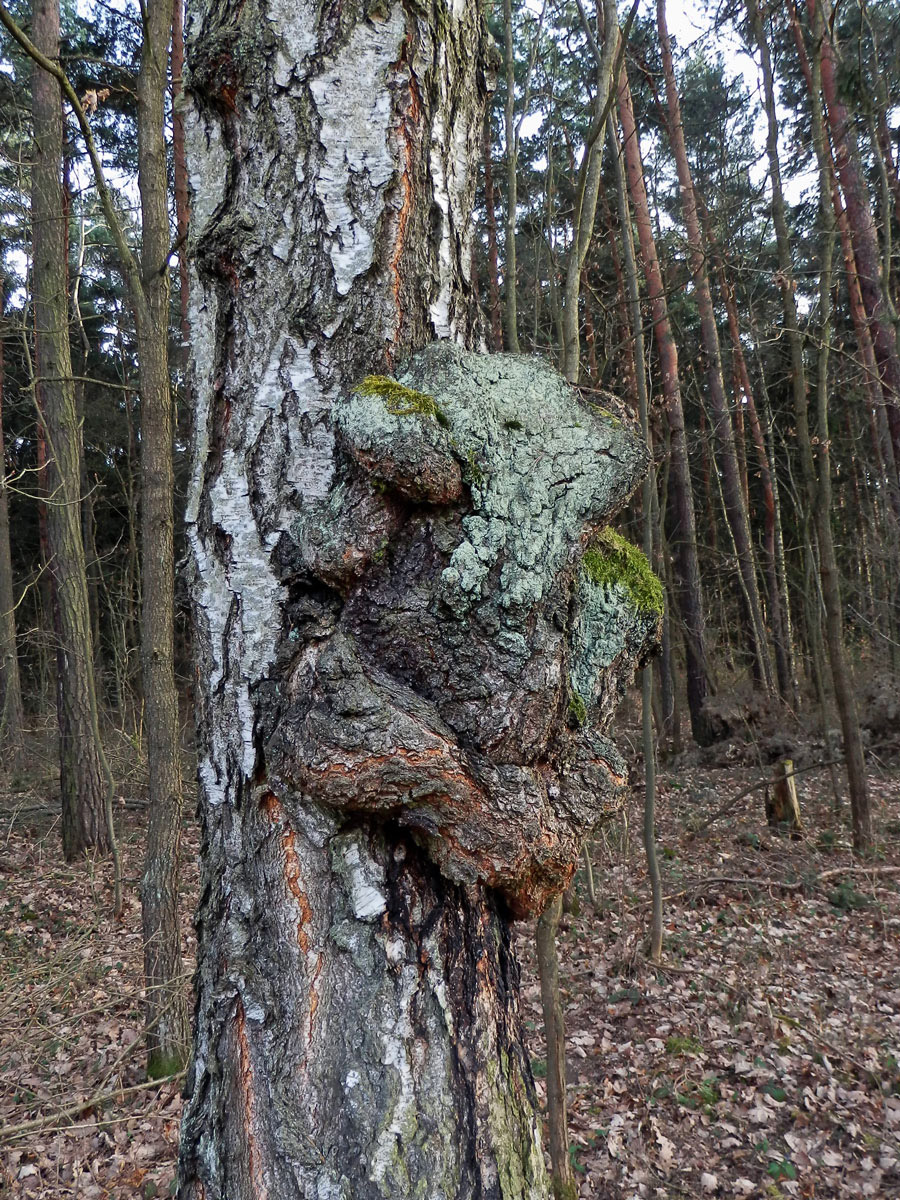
(510, 310)
(726, 455)
(92, 567)
(167, 1022)
(680, 523)
(82, 785)
(12, 716)
(496, 312)
(862, 229)
(828, 569)
(743, 388)
(778, 536)
(562, 1177)
(882, 443)
(179, 162)
(875, 396)
(586, 192)
(648, 489)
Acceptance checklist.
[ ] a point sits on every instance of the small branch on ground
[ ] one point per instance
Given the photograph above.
(75, 1109)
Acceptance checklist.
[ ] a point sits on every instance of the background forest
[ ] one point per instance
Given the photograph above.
(702, 231)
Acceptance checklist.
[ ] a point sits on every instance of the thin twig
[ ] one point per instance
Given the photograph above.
(71, 1110)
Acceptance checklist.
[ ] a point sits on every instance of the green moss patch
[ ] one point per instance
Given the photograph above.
(611, 559)
(401, 401)
(577, 710)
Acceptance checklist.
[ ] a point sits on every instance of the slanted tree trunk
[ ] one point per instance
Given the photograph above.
(681, 528)
(399, 643)
(12, 717)
(819, 482)
(648, 491)
(587, 189)
(167, 1020)
(82, 781)
(862, 226)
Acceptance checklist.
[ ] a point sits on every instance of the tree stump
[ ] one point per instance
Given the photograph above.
(782, 802)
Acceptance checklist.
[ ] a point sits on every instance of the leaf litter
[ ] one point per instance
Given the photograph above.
(760, 1059)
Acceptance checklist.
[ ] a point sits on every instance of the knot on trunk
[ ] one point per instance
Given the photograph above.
(458, 670)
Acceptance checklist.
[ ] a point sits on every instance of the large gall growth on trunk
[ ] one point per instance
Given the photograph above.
(465, 657)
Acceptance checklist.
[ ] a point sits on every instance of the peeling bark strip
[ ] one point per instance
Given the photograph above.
(407, 662)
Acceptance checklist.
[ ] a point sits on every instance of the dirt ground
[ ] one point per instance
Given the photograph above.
(759, 1060)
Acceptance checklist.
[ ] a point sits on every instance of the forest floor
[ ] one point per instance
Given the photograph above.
(759, 1060)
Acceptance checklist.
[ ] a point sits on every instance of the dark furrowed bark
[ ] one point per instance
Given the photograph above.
(84, 822)
(167, 1023)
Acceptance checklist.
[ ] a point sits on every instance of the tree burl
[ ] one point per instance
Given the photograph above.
(455, 662)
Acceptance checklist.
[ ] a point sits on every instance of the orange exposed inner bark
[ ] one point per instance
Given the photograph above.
(260, 1190)
(292, 875)
(409, 119)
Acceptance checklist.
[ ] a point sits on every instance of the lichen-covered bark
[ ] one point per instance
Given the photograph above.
(389, 609)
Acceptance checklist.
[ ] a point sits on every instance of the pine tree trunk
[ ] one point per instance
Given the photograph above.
(726, 454)
(828, 568)
(862, 228)
(12, 717)
(167, 1022)
(680, 524)
(883, 447)
(357, 1027)
(648, 495)
(84, 824)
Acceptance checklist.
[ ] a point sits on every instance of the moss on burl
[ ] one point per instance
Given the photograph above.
(401, 401)
(577, 710)
(611, 559)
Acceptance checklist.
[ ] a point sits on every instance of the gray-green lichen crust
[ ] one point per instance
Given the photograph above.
(541, 466)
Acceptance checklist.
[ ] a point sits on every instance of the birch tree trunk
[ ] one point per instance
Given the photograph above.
(403, 687)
